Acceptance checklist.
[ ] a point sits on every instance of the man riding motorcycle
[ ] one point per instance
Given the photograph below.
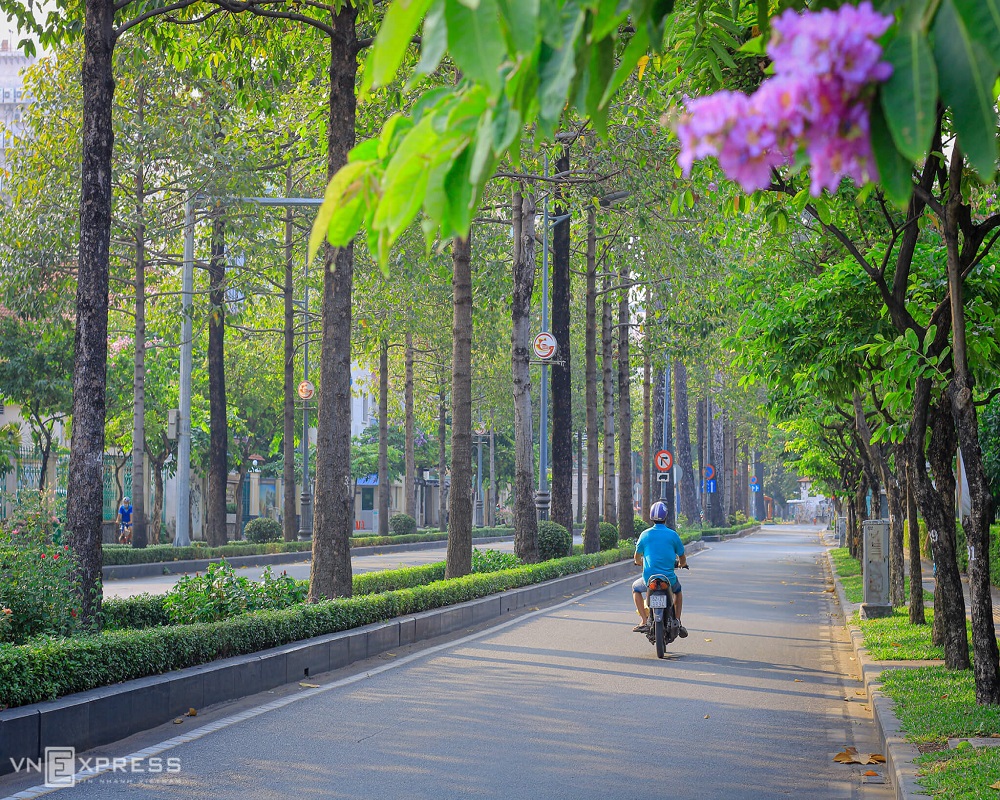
(656, 551)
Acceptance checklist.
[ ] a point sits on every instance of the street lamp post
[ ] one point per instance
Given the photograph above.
(182, 534)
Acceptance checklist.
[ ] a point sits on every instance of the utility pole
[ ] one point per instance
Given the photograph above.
(667, 487)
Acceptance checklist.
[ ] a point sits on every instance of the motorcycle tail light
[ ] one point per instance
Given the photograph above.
(657, 585)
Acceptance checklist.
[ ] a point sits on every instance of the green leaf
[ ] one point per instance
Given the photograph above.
(909, 97)
(638, 46)
(402, 18)
(982, 18)
(967, 73)
(557, 68)
(602, 68)
(755, 46)
(340, 192)
(520, 20)
(434, 41)
(894, 170)
(474, 41)
(610, 14)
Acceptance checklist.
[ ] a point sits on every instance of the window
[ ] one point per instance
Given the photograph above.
(367, 498)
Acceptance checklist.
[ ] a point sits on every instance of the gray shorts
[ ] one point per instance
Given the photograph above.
(640, 586)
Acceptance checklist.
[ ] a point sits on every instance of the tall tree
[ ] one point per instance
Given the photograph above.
(525, 521)
(626, 515)
(591, 534)
(562, 385)
(459, 561)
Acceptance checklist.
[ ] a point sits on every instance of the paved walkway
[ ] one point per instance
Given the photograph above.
(560, 702)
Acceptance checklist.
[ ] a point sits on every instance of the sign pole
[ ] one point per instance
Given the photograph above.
(542, 496)
(305, 499)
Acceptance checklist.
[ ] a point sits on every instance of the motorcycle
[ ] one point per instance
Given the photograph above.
(660, 602)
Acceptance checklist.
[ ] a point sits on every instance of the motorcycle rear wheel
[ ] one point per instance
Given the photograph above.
(660, 634)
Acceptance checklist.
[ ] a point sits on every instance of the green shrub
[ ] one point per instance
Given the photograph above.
(261, 530)
(139, 611)
(230, 508)
(493, 560)
(554, 541)
(220, 594)
(609, 535)
(402, 525)
(37, 588)
(51, 668)
(638, 525)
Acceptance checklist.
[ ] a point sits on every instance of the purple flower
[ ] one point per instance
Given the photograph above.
(817, 102)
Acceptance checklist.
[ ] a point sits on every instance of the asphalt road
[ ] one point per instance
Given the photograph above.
(160, 584)
(561, 702)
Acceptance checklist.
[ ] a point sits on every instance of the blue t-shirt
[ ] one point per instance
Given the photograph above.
(659, 547)
(126, 513)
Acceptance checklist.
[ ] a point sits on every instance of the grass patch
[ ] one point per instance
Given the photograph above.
(935, 703)
(849, 571)
(964, 773)
(895, 639)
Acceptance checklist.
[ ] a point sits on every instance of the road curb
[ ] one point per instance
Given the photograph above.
(108, 714)
(152, 569)
(899, 753)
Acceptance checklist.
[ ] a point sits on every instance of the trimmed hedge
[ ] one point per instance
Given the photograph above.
(148, 611)
(554, 541)
(402, 525)
(608, 534)
(52, 668)
(262, 530)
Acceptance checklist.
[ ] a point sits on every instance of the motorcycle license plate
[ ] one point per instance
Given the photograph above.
(658, 601)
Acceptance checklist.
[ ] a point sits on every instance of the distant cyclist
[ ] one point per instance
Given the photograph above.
(125, 521)
(656, 551)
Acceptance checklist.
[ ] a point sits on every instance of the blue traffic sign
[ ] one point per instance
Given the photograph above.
(710, 486)
(754, 487)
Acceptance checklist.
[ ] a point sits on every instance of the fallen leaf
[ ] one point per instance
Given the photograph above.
(870, 773)
(798, 680)
(191, 713)
(859, 692)
(708, 640)
(850, 755)
(944, 697)
(706, 716)
(178, 721)
(309, 685)
(866, 708)
(802, 615)
(995, 785)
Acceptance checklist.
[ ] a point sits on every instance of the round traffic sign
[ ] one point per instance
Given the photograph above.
(664, 460)
(709, 472)
(306, 390)
(544, 345)
(753, 480)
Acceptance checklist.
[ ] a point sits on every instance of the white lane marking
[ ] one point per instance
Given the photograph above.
(212, 727)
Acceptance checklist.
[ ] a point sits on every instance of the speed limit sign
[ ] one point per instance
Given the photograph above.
(664, 460)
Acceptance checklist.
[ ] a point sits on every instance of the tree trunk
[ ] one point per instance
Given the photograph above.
(290, 525)
(626, 481)
(218, 457)
(607, 362)
(442, 460)
(383, 438)
(913, 524)
(716, 457)
(459, 561)
(689, 501)
(591, 535)
(331, 574)
(699, 425)
(647, 441)
(85, 492)
(579, 477)
(493, 479)
(155, 522)
(525, 520)
(936, 499)
(562, 387)
(139, 533)
(986, 664)
(410, 478)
